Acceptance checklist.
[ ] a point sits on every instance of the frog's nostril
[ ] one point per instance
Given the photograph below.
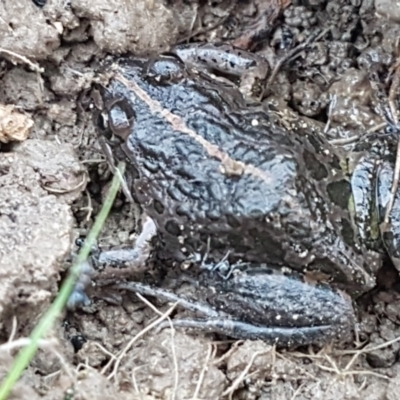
(172, 228)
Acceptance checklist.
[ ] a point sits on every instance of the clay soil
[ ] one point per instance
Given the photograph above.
(53, 177)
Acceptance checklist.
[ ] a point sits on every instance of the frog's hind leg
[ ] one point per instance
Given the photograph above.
(222, 323)
(166, 295)
(281, 336)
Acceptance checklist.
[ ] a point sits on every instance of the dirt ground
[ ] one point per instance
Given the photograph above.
(52, 185)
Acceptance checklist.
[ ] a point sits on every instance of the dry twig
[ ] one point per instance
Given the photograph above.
(229, 392)
(134, 339)
(13, 329)
(175, 360)
(25, 60)
(202, 373)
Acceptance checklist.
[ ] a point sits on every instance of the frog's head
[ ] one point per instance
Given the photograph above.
(113, 95)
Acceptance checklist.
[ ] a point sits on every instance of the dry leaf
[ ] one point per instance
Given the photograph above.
(14, 126)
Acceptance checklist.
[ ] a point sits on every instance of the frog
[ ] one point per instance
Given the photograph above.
(225, 184)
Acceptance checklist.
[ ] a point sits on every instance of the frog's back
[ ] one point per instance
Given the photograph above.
(211, 170)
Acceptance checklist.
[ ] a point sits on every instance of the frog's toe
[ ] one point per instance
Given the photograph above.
(133, 258)
(77, 299)
(281, 336)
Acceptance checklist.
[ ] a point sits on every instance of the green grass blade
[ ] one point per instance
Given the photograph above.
(27, 353)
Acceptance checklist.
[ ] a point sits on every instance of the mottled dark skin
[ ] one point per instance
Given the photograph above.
(220, 177)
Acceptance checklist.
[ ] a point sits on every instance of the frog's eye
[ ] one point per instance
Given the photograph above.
(165, 70)
(392, 129)
(121, 119)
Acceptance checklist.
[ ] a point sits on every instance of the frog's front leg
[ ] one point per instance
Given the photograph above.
(134, 258)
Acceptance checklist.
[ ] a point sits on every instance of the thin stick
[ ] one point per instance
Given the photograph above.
(13, 329)
(174, 358)
(370, 349)
(243, 374)
(138, 336)
(202, 373)
(104, 350)
(344, 373)
(25, 60)
(66, 190)
(21, 342)
(293, 52)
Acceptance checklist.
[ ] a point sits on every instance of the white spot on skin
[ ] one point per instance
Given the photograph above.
(185, 265)
(303, 254)
(181, 239)
(278, 317)
(254, 122)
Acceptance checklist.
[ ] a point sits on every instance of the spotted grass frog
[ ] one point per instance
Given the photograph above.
(222, 178)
